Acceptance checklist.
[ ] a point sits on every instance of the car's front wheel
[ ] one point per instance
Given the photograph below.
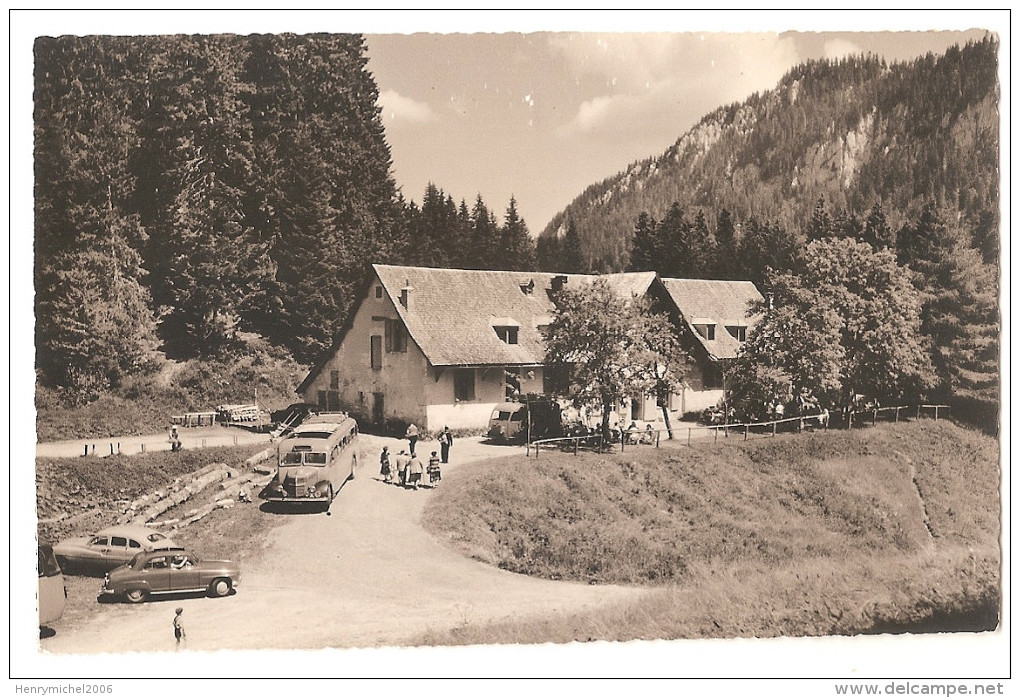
(136, 595)
(220, 587)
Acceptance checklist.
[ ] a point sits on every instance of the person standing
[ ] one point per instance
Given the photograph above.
(415, 471)
(445, 443)
(178, 627)
(435, 475)
(402, 461)
(412, 436)
(384, 463)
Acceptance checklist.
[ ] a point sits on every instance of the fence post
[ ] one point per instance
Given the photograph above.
(850, 421)
(86, 449)
(936, 413)
(688, 436)
(716, 439)
(656, 438)
(774, 428)
(745, 432)
(918, 411)
(897, 414)
(576, 440)
(111, 449)
(800, 426)
(874, 417)
(143, 448)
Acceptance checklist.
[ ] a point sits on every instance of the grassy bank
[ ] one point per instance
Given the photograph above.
(830, 533)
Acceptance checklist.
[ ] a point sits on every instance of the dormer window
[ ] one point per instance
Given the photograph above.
(738, 332)
(506, 333)
(705, 330)
(506, 328)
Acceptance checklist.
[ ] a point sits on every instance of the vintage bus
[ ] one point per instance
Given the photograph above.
(52, 592)
(314, 460)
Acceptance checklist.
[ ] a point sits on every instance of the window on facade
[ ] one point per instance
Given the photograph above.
(507, 334)
(396, 336)
(376, 352)
(738, 332)
(712, 378)
(378, 291)
(333, 401)
(706, 331)
(321, 399)
(334, 379)
(464, 384)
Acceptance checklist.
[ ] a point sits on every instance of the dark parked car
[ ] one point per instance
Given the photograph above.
(108, 548)
(170, 572)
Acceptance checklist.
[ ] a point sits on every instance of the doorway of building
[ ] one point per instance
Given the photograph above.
(377, 408)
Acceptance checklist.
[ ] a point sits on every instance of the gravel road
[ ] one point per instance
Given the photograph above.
(366, 575)
(197, 437)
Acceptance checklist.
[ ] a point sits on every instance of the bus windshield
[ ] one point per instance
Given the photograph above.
(309, 458)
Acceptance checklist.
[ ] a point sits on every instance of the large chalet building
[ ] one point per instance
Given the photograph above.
(443, 347)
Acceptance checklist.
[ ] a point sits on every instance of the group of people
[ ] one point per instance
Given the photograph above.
(637, 436)
(408, 470)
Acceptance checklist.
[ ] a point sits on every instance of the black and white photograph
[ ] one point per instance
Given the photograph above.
(503, 344)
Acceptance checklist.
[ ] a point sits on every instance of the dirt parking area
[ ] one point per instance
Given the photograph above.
(363, 575)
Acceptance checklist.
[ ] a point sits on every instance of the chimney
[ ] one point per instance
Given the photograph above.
(528, 288)
(405, 295)
(558, 282)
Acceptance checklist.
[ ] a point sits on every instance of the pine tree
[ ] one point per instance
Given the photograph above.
(727, 264)
(516, 244)
(570, 251)
(644, 252)
(94, 318)
(876, 231)
(820, 226)
(485, 242)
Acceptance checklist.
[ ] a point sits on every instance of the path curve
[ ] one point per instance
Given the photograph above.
(365, 576)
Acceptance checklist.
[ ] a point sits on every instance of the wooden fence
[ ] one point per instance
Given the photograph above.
(845, 419)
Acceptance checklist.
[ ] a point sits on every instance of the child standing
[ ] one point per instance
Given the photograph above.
(178, 627)
(434, 473)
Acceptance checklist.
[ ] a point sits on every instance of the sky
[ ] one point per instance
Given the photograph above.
(536, 105)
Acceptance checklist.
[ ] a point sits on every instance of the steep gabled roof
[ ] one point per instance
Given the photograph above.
(453, 312)
(704, 301)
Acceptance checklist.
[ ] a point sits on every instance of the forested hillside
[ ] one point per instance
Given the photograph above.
(197, 196)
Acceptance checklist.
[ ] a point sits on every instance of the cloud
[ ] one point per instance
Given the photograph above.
(660, 77)
(838, 48)
(396, 107)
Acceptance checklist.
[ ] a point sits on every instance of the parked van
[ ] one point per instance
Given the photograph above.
(537, 418)
(52, 592)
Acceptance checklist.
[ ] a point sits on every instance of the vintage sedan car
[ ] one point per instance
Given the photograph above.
(170, 572)
(109, 548)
